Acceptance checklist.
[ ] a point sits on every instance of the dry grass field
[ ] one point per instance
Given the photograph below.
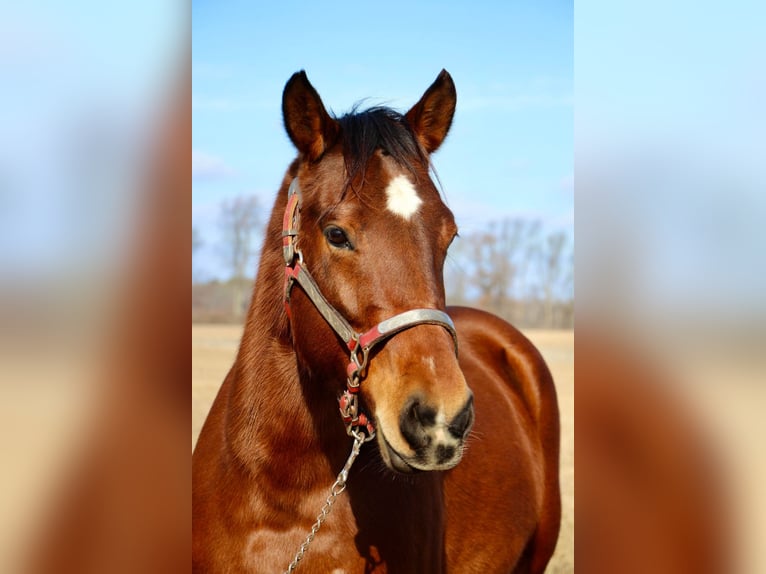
(214, 348)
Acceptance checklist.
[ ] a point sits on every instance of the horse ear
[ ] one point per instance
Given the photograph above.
(308, 124)
(431, 117)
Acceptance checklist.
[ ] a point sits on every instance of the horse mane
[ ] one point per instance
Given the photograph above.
(374, 128)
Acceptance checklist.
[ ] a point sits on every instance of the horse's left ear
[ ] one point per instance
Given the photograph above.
(431, 118)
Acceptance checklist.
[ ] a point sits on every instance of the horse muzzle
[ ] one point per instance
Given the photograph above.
(430, 440)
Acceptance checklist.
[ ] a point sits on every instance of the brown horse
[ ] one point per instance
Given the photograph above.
(355, 248)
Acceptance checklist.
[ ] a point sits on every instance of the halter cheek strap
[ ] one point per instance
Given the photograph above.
(359, 345)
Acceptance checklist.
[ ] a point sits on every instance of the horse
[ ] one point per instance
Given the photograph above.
(444, 455)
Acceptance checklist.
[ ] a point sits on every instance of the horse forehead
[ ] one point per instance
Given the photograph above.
(402, 198)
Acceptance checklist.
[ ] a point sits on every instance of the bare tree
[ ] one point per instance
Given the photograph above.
(512, 269)
(554, 247)
(196, 244)
(456, 273)
(483, 255)
(239, 221)
(493, 258)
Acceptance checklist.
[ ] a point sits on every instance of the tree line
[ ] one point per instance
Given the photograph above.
(513, 268)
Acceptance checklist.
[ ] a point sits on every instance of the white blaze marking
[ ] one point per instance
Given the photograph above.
(402, 199)
(441, 424)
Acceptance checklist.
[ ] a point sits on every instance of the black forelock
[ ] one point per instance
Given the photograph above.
(377, 128)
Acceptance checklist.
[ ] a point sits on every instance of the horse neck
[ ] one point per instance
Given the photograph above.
(276, 408)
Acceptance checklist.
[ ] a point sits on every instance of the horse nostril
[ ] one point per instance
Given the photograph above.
(413, 423)
(462, 423)
(444, 453)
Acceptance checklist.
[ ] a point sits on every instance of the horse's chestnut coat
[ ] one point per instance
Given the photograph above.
(417, 499)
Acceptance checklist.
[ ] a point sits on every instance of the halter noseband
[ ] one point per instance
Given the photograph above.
(358, 344)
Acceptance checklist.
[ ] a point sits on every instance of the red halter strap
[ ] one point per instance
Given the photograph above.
(358, 344)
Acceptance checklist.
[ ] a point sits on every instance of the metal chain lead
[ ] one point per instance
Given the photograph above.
(337, 488)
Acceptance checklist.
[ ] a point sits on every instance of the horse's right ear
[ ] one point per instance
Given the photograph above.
(308, 124)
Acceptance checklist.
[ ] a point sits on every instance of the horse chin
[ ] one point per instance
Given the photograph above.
(398, 463)
(393, 459)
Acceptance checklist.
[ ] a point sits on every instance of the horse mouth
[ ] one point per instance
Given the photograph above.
(394, 459)
(398, 463)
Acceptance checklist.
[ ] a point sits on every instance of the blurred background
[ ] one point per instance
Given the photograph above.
(671, 329)
(95, 137)
(656, 106)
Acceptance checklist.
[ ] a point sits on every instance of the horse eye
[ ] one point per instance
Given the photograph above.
(337, 237)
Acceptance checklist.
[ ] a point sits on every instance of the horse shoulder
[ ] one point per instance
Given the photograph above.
(512, 459)
(503, 348)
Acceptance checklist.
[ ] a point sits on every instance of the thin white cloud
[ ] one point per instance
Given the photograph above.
(567, 183)
(216, 104)
(516, 102)
(226, 104)
(210, 71)
(206, 166)
(519, 163)
(561, 221)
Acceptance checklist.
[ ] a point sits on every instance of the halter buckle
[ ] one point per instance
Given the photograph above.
(289, 224)
(357, 424)
(358, 358)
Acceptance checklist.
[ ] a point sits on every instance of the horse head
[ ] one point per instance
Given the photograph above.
(374, 232)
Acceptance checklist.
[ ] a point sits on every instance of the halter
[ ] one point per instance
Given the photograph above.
(358, 344)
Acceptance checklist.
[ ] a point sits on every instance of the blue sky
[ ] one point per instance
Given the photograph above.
(77, 89)
(510, 151)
